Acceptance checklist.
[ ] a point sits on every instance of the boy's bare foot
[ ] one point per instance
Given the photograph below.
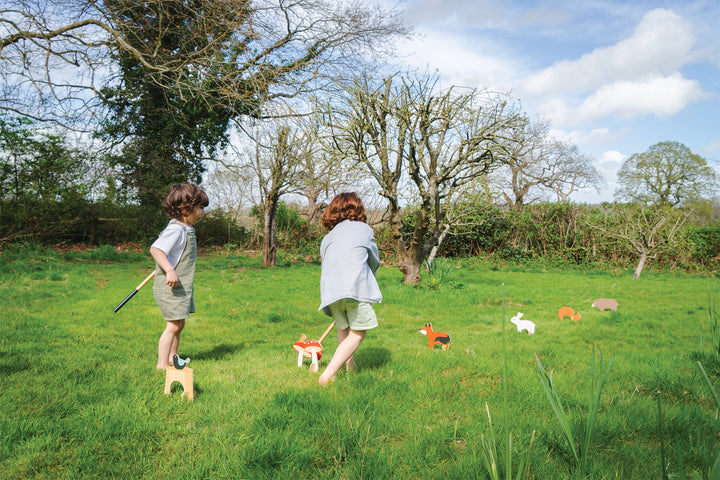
(350, 367)
(323, 380)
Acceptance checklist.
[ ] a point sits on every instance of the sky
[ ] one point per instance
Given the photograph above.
(612, 76)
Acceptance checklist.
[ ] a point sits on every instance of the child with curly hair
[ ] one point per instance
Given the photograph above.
(174, 252)
(348, 287)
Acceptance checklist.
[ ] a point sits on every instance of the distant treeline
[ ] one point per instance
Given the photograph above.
(560, 232)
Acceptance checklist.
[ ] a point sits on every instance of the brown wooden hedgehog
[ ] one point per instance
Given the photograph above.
(605, 304)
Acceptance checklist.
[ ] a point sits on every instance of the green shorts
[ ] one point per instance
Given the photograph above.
(350, 313)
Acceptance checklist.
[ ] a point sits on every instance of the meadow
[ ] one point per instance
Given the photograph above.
(80, 396)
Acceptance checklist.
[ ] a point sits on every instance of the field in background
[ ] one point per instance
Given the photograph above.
(80, 397)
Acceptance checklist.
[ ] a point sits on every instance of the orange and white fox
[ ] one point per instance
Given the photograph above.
(435, 337)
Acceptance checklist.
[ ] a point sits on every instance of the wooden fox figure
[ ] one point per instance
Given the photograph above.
(434, 337)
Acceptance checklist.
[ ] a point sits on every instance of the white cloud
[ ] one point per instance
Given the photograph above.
(660, 44)
(460, 61)
(712, 149)
(661, 96)
(594, 137)
(658, 95)
(458, 12)
(611, 161)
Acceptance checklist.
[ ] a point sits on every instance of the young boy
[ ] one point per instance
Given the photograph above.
(174, 252)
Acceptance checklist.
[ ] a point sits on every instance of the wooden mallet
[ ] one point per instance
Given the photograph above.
(137, 289)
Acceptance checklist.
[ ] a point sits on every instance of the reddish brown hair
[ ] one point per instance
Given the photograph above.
(183, 198)
(345, 206)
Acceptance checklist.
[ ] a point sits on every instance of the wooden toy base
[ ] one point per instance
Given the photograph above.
(184, 376)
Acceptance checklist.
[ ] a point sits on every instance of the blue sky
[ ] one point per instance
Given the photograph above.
(614, 77)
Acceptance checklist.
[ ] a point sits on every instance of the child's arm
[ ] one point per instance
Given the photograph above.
(373, 256)
(161, 259)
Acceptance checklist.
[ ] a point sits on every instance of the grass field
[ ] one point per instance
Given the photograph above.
(80, 396)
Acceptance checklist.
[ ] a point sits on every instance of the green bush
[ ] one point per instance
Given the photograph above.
(705, 244)
(215, 228)
(292, 231)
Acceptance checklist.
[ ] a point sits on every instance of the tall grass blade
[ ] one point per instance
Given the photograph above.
(594, 403)
(713, 316)
(715, 471)
(556, 404)
(491, 459)
(508, 451)
(525, 462)
(712, 389)
(504, 350)
(681, 464)
(490, 450)
(661, 434)
(508, 456)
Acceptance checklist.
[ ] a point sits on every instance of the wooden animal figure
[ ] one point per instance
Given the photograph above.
(606, 303)
(569, 312)
(521, 325)
(179, 363)
(434, 337)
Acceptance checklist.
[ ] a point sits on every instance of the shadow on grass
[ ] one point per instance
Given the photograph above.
(219, 351)
(373, 357)
(13, 365)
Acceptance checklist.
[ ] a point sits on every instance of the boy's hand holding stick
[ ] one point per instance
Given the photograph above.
(137, 289)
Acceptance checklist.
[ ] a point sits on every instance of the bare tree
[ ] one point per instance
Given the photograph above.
(437, 141)
(648, 231)
(276, 163)
(537, 163)
(520, 172)
(323, 171)
(162, 80)
(59, 55)
(570, 170)
(459, 213)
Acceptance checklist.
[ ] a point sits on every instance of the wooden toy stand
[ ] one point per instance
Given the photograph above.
(184, 376)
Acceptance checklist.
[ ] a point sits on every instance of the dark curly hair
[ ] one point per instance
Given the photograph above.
(183, 198)
(345, 206)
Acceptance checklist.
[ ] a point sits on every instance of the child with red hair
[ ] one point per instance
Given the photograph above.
(348, 288)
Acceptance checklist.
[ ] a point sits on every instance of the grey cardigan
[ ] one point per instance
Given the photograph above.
(350, 261)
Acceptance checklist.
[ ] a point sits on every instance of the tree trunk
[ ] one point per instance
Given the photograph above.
(269, 248)
(433, 252)
(640, 265)
(410, 268)
(313, 208)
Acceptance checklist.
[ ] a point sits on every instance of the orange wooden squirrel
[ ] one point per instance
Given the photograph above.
(569, 312)
(435, 337)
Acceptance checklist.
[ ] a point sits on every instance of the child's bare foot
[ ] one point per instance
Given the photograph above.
(323, 380)
(350, 366)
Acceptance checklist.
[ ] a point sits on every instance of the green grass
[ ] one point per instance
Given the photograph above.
(80, 397)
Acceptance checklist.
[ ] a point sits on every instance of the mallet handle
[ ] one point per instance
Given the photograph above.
(326, 332)
(142, 284)
(147, 279)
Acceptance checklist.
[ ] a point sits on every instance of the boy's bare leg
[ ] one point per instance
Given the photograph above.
(176, 342)
(351, 340)
(168, 343)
